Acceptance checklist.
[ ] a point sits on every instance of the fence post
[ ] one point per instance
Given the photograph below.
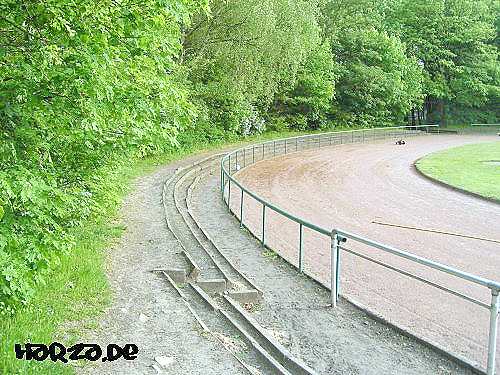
(285, 146)
(263, 151)
(241, 208)
(263, 225)
(253, 154)
(229, 196)
(222, 177)
(333, 274)
(222, 181)
(236, 162)
(492, 345)
(301, 248)
(338, 266)
(229, 164)
(244, 164)
(274, 148)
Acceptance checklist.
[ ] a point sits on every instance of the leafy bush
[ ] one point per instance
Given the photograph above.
(80, 87)
(277, 124)
(253, 124)
(308, 103)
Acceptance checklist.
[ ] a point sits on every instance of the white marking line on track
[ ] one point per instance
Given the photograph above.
(437, 231)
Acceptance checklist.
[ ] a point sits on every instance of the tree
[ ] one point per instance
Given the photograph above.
(81, 85)
(377, 82)
(309, 102)
(246, 52)
(454, 41)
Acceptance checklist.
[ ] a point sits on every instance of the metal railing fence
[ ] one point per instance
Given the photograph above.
(485, 128)
(243, 157)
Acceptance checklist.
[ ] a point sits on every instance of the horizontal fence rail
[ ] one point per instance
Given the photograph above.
(491, 125)
(243, 157)
(486, 128)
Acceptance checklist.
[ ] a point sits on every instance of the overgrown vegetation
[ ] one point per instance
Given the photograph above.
(87, 85)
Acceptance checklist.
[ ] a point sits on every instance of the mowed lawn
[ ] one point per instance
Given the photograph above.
(475, 168)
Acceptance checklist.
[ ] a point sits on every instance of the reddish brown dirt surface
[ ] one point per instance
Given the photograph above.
(350, 186)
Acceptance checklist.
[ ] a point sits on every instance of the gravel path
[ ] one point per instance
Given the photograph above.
(166, 327)
(352, 185)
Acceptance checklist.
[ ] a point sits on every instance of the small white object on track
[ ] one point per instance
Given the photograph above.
(164, 361)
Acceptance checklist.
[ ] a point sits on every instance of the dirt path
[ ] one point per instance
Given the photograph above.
(351, 186)
(145, 311)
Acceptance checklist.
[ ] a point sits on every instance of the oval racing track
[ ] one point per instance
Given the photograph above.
(350, 187)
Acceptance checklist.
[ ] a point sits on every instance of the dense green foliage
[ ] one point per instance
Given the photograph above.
(86, 85)
(307, 104)
(378, 83)
(245, 53)
(81, 85)
(455, 41)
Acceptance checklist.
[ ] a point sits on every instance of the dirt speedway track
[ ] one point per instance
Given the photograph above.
(349, 187)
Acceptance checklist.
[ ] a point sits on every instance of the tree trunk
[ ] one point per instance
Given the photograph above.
(428, 104)
(442, 111)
